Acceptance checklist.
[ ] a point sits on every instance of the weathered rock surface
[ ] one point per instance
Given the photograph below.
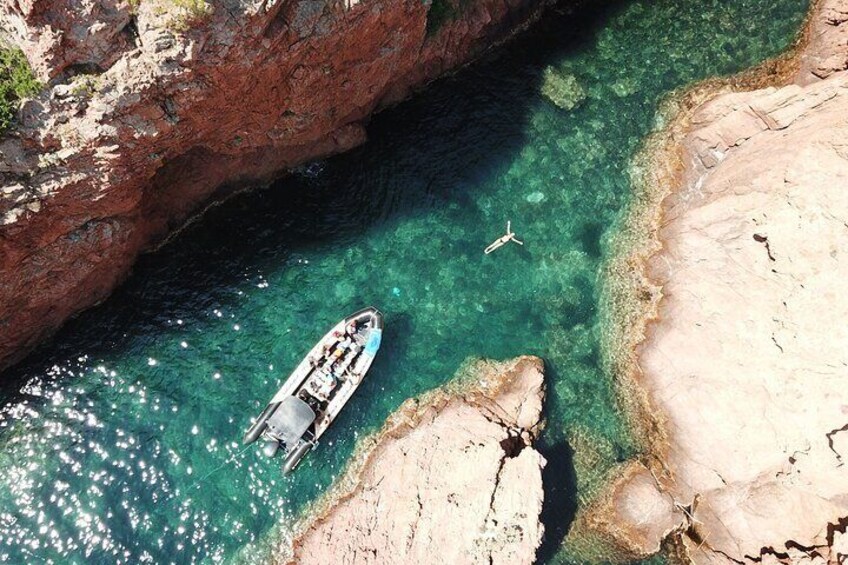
(451, 478)
(635, 512)
(746, 364)
(57, 34)
(190, 103)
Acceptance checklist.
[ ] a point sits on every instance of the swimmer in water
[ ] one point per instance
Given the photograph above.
(503, 240)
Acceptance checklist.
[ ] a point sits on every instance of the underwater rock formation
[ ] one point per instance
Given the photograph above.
(157, 107)
(746, 365)
(451, 478)
(562, 89)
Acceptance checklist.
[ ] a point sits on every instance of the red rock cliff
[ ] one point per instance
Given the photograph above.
(182, 99)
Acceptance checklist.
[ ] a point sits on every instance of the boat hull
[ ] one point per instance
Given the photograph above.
(295, 456)
(323, 383)
(258, 427)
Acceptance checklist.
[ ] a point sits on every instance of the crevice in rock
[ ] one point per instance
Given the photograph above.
(130, 31)
(767, 120)
(277, 20)
(495, 488)
(512, 445)
(812, 551)
(764, 240)
(414, 525)
(170, 110)
(690, 528)
(767, 551)
(75, 70)
(726, 556)
(829, 435)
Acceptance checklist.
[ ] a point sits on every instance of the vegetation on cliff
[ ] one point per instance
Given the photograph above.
(16, 82)
(189, 13)
(441, 12)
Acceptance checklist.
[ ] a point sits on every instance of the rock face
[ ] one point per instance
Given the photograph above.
(746, 364)
(57, 34)
(451, 478)
(193, 99)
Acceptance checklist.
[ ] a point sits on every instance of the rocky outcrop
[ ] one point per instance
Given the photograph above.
(634, 512)
(58, 34)
(194, 99)
(451, 478)
(745, 365)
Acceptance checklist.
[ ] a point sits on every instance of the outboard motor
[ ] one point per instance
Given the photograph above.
(270, 448)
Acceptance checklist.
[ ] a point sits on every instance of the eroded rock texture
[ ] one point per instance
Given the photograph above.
(452, 478)
(189, 104)
(57, 34)
(747, 364)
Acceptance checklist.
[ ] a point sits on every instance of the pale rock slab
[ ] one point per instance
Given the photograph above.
(450, 479)
(747, 362)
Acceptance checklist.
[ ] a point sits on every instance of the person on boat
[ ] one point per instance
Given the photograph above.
(503, 240)
(323, 385)
(340, 350)
(353, 377)
(351, 328)
(345, 344)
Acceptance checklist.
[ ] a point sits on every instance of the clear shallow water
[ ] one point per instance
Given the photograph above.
(112, 438)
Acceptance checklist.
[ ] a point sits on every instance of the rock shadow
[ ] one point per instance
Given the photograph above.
(559, 508)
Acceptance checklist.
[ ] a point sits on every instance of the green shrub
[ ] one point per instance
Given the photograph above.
(16, 82)
(190, 13)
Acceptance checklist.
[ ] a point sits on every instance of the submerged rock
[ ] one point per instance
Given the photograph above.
(451, 478)
(625, 87)
(535, 197)
(562, 89)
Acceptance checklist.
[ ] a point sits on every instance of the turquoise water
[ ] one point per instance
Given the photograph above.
(116, 437)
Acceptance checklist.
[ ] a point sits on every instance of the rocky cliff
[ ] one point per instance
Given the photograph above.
(451, 478)
(745, 362)
(156, 107)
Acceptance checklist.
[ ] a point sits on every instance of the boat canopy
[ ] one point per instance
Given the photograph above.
(291, 420)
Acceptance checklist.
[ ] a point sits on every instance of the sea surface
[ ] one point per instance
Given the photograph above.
(120, 440)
